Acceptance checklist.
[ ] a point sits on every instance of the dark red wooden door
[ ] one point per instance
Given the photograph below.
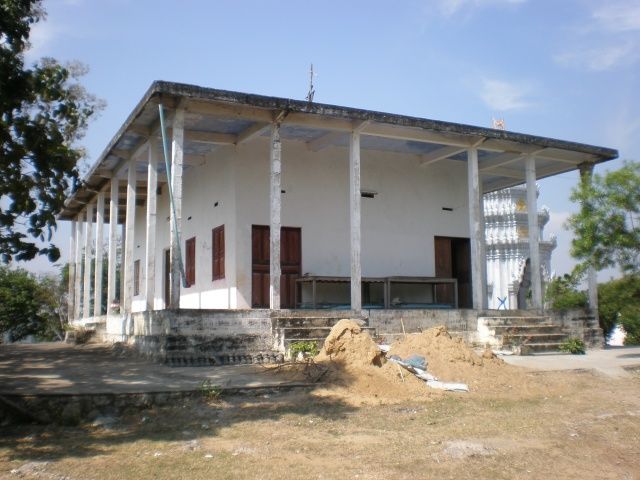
(444, 268)
(462, 270)
(167, 269)
(453, 260)
(290, 264)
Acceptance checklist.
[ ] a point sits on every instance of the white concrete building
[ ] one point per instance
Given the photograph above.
(277, 203)
(507, 244)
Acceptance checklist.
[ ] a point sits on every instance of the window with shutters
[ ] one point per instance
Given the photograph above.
(190, 261)
(218, 252)
(136, 277)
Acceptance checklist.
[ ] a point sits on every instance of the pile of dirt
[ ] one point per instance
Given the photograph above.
(360, 371)
(349, 345)
(448, 358)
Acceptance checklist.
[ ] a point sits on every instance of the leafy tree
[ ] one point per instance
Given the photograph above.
(31, 306)
(43, 113)
(562, 293)
(607, 229)
(619, 302)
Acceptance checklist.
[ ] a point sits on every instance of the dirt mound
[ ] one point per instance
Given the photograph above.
(349, 345)
(448, 358)
(359, 371)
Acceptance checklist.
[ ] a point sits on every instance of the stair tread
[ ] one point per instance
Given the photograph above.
(312, 327)
(560, 334)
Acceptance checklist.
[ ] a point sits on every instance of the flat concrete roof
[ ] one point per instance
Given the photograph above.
(218, 118)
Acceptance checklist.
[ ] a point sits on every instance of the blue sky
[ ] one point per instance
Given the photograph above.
(568, 69)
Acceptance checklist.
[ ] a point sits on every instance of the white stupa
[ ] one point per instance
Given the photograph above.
(507, 244)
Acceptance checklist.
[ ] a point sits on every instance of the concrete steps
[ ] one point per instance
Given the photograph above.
(287, 330)
(521, 334)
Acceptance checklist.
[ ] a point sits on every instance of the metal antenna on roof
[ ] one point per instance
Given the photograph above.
(311, 89)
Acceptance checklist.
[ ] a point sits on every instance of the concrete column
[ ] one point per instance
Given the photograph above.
(483, 252)
(586, 172)
(97, 281)
(88, 256)
(150, 251)
(123, 242)
(534, 231)
(354, 220)
(71, 295)
(113, 243)
(130, 236)
(77, 289)
(175, 222)
(275, 218)
(476, 232)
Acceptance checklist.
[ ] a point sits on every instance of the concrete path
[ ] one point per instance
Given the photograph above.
(59, 368)
(610, 361)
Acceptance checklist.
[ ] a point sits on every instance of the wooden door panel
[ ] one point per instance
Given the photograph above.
(444, 268)
(290, 265)
(167, 269)
(462, 271)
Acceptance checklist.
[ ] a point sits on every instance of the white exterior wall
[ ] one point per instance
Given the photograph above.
(203, 186)
(398, 225)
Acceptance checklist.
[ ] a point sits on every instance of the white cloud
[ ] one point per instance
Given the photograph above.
(622, 16)
(599, 59)
(41, 37)
(451, 7)
(501, 96)
(609, 39)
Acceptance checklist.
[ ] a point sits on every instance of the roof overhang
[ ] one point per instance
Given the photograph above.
(217, 117)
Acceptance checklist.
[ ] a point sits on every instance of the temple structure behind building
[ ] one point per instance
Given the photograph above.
(507, 245)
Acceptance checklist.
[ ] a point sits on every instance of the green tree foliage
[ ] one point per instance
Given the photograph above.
(607, 230)
(30, 305)
(562, 293)
(43, 113)
(619, 302)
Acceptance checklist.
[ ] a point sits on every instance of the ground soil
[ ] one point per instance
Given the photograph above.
(576, 426)
(364, 422)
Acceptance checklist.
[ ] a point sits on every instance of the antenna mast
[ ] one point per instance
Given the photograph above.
(311, 89)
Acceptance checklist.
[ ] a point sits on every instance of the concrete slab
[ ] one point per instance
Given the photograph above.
(610, 361)
(63, 369)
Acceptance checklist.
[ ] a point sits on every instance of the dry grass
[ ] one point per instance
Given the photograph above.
(576, 425)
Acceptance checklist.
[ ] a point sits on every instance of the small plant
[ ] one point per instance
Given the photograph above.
(210, 390)
(81, 335)
(574, 346)
(306, 349)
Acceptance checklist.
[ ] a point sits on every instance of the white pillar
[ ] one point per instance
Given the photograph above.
(476, 232)
(150, 251)
(78, 277)
(130, 236)
(586, 172)
(483, 250)
(97, 281)
(175, 221)
(88, 255)
(534, 231)
(123, 243)
(354, 220)
(113, 243)
(71, 295)
(275, 220)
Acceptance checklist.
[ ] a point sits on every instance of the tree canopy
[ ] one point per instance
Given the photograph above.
(607, 228)
(43, 113)
(30, 305)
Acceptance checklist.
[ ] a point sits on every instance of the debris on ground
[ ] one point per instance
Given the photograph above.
(363, 370)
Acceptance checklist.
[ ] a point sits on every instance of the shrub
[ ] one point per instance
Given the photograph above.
(574, 346)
